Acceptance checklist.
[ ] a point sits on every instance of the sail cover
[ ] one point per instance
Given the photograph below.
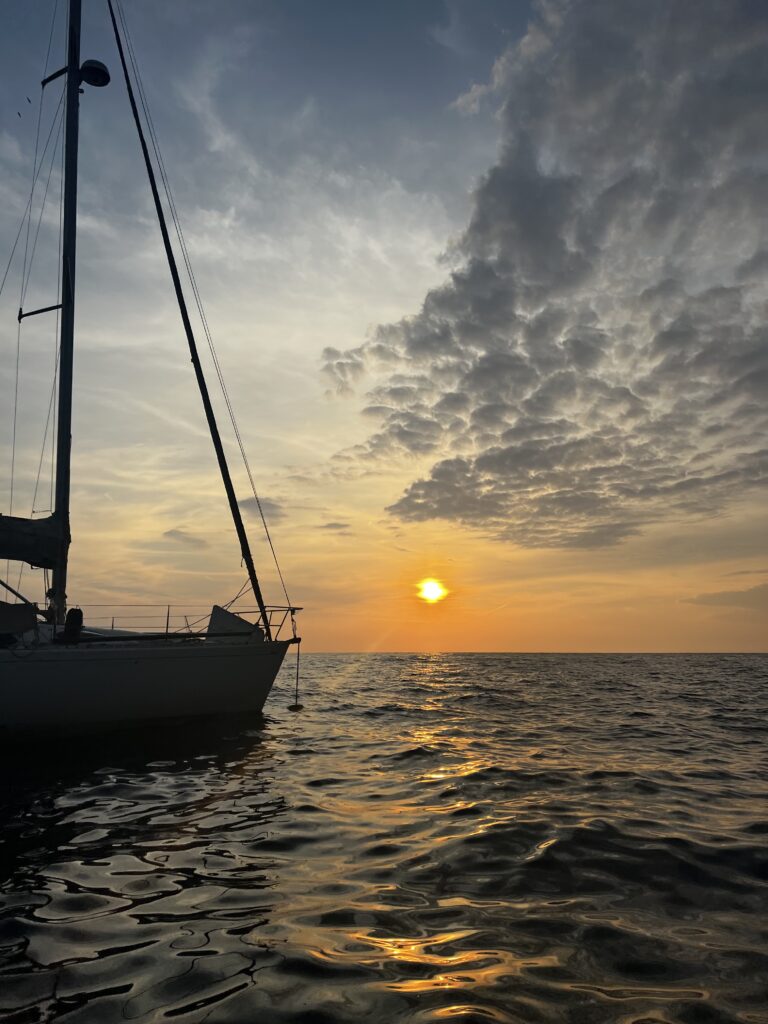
(35, 541)
(224, 621)
(17, 618)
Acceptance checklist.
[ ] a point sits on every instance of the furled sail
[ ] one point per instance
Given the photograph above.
(35, 541)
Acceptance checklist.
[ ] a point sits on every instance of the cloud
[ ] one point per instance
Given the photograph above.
(756, 598)
(10, 150)
(747, 572)
(469, 101)
(450, 34)
(273, 510)
(334, 526)
(185, 539)
(343, 369)
(597, 358)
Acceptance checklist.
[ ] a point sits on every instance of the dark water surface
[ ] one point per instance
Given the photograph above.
(446, 838)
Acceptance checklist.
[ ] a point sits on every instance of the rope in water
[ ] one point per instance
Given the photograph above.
(296, 706)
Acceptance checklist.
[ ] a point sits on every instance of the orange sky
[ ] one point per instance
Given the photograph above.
(358, 586)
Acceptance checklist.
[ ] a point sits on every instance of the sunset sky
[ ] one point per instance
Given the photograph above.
(487, 281)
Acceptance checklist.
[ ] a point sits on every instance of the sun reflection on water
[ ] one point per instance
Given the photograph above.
(430, 842)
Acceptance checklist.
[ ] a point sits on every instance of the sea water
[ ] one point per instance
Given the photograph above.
(455, 838)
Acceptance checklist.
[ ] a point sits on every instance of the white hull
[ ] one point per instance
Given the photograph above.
(58, 686)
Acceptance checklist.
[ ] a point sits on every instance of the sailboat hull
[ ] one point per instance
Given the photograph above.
(69, 687)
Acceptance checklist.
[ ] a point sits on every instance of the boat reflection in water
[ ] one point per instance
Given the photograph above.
(129, 859)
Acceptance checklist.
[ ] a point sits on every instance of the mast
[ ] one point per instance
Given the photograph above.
(45, 542)
(58, 592)
(213, 428)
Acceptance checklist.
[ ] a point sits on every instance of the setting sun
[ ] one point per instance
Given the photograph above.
(432, 591)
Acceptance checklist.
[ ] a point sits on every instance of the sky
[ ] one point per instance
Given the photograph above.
(487, 282)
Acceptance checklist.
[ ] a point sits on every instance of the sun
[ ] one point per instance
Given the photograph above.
(431, 591)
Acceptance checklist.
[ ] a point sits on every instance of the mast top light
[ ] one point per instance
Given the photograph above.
(94, 73)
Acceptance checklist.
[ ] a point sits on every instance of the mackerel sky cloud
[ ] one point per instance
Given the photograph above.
(524, 240)
(597, 357)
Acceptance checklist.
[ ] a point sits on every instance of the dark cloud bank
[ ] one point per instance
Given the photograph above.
(756, 598)
(597, 360)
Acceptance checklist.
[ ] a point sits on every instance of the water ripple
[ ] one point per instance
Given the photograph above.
(452, 838)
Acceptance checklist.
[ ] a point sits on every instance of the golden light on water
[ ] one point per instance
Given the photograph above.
(431, 591)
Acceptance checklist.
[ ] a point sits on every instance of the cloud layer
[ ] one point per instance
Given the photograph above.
(756, 598)
(597, 359)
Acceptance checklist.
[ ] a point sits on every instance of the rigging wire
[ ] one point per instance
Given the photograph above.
(56, 350)
(198, 298)
(25, 285)
(15, 420)
(27, 270)
(28, 216)
(34, 161)
(29, 200)
(210, 416)
(32, 187)
(29, 258)
(42, 455)
(237, 596)
(193, 282)
(54, 400)
(50, 37)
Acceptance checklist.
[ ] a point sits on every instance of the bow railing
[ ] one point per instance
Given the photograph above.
(178, 620)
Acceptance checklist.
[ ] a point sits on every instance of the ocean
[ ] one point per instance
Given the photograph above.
(435, 838)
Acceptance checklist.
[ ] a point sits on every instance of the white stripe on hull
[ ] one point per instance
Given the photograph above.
(70, 686)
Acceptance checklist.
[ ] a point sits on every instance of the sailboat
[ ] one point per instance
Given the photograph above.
(55, 670)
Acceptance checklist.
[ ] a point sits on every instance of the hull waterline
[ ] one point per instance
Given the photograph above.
(60, 686)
